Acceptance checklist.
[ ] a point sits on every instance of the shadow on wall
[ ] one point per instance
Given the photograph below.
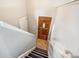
(23, 23)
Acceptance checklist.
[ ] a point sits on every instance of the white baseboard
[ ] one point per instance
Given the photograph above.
(26, 53)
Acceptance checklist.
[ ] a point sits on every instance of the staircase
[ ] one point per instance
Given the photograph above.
(37, 53)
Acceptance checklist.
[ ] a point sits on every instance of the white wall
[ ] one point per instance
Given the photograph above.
(38, 8)
(66, 31)
(57, 3)
(14, 41)
(11, 10)
(23, 23)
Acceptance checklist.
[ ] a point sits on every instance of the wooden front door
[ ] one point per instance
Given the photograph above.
(43, 27)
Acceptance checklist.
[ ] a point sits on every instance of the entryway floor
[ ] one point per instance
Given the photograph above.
(43, 44)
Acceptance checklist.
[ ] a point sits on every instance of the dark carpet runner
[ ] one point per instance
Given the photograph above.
(38, 53)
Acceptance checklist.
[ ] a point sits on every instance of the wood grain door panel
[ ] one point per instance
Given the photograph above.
(43, 32)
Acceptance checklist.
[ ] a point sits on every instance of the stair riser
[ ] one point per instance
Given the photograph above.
(38, 53)
(41, 52)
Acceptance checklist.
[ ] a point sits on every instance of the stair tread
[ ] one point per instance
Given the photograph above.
(27, 57)
(35, 55)
(41, 52)
(43, 55)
